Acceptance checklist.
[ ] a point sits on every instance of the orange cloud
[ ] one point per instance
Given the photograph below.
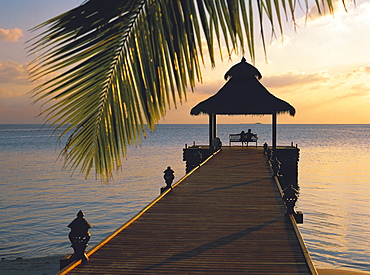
(210, 88)
(13, 72)
(291, 78)
(11, 35)
(366, 69)
(357, 90)
(358, 72)
(11, 93)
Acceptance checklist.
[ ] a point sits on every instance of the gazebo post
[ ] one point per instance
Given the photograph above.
(212, 129)
(274, 130)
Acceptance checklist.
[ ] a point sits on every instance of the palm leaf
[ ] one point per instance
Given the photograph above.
(117, 66)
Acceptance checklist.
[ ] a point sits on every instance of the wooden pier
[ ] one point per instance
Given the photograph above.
(226, 216)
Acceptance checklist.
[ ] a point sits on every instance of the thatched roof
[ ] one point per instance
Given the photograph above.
(243, 94)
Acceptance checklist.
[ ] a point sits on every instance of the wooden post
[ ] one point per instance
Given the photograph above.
(274, 119)
(212, 129)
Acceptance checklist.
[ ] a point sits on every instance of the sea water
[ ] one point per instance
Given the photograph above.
(39, 199)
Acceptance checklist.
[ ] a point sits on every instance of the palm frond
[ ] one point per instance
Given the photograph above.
(117, 66)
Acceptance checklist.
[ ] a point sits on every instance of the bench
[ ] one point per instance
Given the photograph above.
(237, 138)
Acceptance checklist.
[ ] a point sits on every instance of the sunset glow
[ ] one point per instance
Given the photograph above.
(322, 68)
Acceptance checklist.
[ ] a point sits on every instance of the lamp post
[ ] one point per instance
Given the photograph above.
(79, 237)
(290, 198)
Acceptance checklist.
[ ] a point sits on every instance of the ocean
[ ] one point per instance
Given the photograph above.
(39, 199)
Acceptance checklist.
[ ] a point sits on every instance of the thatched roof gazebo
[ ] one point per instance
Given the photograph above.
(242, 94)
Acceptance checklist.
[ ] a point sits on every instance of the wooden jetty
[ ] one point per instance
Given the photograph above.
(226, 216)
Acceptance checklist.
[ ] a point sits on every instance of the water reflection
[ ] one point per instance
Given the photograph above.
(335, 198)
(39, 200)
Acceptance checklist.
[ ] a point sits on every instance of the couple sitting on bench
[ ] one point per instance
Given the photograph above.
(248, 137)
(243, 137)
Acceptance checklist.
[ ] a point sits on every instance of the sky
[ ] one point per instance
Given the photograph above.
(322, 68)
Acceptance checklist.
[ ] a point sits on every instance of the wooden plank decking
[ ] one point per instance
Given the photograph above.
(226, 217)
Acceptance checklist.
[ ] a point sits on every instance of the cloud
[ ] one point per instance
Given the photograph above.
(333, 41)
(11, 35)
(292, 78)
(366, 69)
(280, 42)
(210, 88)
(357, 90)
(323, 10)
(12, 93)
(358, 72)
(13, 72)
(337, 84)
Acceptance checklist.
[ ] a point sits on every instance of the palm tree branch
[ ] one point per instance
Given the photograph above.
(116, 68)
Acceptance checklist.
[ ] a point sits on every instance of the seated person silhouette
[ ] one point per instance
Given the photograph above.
(243, 136)
(247, 137)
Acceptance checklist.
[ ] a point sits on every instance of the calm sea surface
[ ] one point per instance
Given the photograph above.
(39, 200)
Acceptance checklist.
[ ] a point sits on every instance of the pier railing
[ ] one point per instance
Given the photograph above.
(68, 262)
(295, 217)
(293, 220)
(291, 215)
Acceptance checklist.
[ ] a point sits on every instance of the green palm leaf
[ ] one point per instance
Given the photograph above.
(118, 65)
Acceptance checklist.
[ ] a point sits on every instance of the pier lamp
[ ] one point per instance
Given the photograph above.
(79, 237)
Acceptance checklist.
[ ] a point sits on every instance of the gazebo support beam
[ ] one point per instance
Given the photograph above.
(212, 129)
(274, 130)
